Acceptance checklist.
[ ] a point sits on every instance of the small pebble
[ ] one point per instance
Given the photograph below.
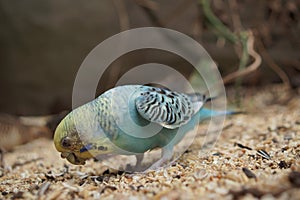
(283, 165)
(294, 178)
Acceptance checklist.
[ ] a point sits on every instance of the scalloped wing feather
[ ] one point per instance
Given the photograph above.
(167, 108)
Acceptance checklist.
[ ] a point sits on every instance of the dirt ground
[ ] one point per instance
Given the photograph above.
(256, 156)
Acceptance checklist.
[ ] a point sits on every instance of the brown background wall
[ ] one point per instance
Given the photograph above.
(42, 43)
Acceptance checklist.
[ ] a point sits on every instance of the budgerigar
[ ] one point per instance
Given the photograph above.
(130, 120)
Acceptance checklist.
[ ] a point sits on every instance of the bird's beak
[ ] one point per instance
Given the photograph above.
(72, 158)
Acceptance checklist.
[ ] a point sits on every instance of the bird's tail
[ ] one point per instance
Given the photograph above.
(205, 113)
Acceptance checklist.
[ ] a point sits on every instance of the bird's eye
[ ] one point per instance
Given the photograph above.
(102, 148)
(66, 142)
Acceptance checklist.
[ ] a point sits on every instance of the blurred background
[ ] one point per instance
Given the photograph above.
(43, 43)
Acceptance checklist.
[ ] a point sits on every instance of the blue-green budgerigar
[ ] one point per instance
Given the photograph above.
(130, 120)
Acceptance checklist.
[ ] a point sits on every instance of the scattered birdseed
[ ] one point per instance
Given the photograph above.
(264, 154)
(196, 174)
(283, 165)
(217, 154)
(242, 146)
(108, 187)
(44, 187)
(249, 173)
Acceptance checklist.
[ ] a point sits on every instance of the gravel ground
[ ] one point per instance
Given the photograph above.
(256, 156)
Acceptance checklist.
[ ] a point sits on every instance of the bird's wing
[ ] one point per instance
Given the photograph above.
(167, 108)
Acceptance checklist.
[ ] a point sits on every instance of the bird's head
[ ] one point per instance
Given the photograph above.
(74, 145)
(67, 141)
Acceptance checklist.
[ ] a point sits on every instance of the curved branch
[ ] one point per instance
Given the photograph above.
(252, 67)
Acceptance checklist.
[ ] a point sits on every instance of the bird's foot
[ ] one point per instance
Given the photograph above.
(156, 166)
(166, 156)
